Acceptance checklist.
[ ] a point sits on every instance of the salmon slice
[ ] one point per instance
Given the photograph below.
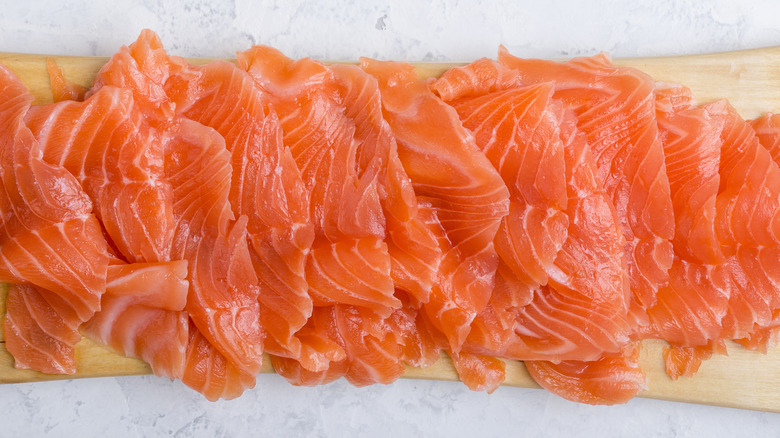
(744, 159)
(266, 186)
(691, 135)
(767, 128)
(40, 330)
(372, 351)
(344, 204)
(420, 342)
(142, 315)
(223, 287)
(593, 250)
(455, 181)
(561, 232)
(691, 306)
(748, 225)
(223, 292)
(345, 163)
(143, 67)
(61, 88)
(51, 244)
(630, 158)
(517, 132)
(321, 330)
(613, 379)
(685, 361)
(47, 217)
(207, 371)
(563, 235)
(481, 77)
(722, 283)
(479, 373)
(117, 157)
(413, 248)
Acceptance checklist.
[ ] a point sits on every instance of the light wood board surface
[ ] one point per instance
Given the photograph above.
(749, 79)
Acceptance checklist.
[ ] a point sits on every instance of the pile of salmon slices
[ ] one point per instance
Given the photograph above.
(350, 220)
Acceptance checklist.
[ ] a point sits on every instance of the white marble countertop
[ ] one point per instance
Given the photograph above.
(343, 30)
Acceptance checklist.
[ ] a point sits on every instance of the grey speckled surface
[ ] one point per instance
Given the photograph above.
(408, 30)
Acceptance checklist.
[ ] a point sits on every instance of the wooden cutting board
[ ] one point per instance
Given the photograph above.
(749, 79)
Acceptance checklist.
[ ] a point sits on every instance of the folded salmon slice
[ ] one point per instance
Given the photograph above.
(118, 158)
(51, 244)
(142, 314)
(48, 216)
(517, 131)
(767, 128)
(524, 127)
(223, 292)
(40, 330)
(722, 283)
(143, 67)
(615, 108)
(344, 200)
(457, 183)
(209, 372)
(692, 304)
(615, 378)
(412, 247)
(267, 187)
(61, 88)
(561, 292)
(358, 196)
(748, 227)
(223, 287)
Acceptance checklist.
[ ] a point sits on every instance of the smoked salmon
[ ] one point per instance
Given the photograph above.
(51, 244)
(767, 129)
(349, 267)
(615, 108)
(558, 209)
(353, 220)
(452, 177)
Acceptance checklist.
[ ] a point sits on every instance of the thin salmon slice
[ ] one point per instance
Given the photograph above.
(223, 292)
(630, 157)
(691, 306)
(40, 330)
(722, 283)
(372, 349)
(61, 88)
(143, 67)
(52, 220)
(615, 378)
(117, 157)
(412, 247)
(344, 204)
(349, 267)
(142, 314)
(453, 179)
(748, 225)
(207, 371)
(479, 373)
(320, 329)
(517, 131)
(561, 208)
(266, 186)
(767, 128)
(545, 161)
(223, 287)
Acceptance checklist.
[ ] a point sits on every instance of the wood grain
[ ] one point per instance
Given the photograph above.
(749, 79)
